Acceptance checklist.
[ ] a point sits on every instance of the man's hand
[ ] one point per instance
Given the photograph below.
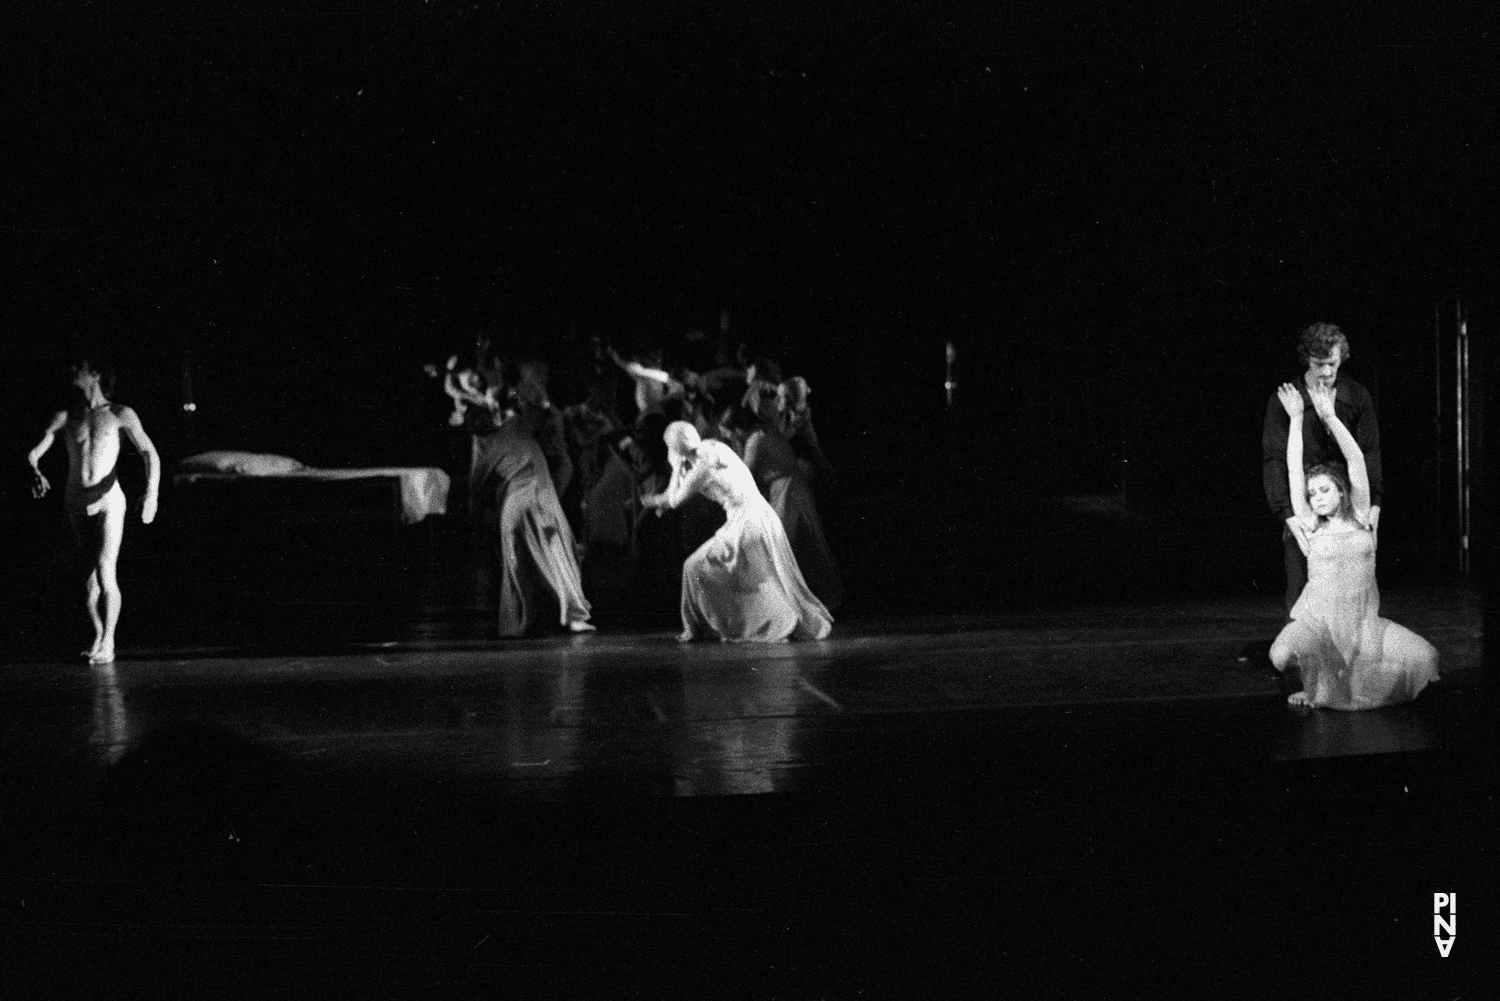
(148, 509)
(39, 484)
(1374, 519)
(1322, 401)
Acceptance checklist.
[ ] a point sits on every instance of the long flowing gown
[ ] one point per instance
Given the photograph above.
(1350, 657)
(785, 484)
(744, 584)
(539, 570)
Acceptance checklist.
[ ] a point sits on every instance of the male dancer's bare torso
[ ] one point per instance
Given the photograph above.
(93, 441)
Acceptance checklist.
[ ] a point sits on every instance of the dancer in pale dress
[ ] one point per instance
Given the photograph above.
(1348, 656)
(538, 565)
(742, 584)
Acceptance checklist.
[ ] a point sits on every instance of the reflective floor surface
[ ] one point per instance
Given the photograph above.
(1097, 801)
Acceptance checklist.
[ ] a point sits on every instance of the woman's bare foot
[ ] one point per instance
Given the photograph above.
(1299, 699)
(580, 626)
(103, 655)
(685, 637)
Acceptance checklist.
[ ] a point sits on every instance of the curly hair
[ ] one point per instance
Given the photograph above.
(1340, 479)
(1319, 340)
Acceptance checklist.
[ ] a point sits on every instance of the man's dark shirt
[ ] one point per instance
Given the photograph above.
(1353, 406)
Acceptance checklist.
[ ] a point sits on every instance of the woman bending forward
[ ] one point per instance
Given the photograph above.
(539, 574)
(742, 584)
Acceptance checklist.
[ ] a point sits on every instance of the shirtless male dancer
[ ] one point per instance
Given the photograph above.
(96, 505)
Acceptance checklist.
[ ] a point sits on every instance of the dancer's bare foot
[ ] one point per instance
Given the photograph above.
(92, 651)
(103, 655)
(685, 637)
(1299, 699)
(580, 626)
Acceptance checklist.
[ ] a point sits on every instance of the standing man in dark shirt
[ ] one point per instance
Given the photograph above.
(1322, 348)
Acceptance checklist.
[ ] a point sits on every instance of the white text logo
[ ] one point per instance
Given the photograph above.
(1445, 926)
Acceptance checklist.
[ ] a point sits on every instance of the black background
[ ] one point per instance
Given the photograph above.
(1120, 216)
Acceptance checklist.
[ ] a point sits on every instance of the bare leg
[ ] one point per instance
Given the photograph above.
(1293, 639)
(93, 593)
(111, 524)
(1287, 664)
(86, 538)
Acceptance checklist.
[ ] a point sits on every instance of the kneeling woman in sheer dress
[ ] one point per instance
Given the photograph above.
(1349, 657)
(742, 584)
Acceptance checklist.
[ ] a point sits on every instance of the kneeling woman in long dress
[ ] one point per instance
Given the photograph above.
(1349, 657)
(742, 584)
(538, 566)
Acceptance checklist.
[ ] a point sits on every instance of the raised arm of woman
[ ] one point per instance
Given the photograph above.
(636, 370)
(1291, 400)
(1354, 456)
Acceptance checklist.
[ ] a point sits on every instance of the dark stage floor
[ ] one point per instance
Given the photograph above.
(566, 717)
(1075, 802)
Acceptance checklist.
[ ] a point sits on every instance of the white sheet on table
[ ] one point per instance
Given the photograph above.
(424, 489)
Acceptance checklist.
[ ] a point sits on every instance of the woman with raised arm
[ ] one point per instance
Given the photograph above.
(742, 584)
(1348, 656)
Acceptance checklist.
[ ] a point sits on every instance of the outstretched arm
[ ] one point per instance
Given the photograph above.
(39, 484)
(130, 423)
(636, 370)
(1354, 456)
(683, 484)
(1296, 477)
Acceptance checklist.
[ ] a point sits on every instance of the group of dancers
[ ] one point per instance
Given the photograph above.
(765, 573)
(739, 437)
